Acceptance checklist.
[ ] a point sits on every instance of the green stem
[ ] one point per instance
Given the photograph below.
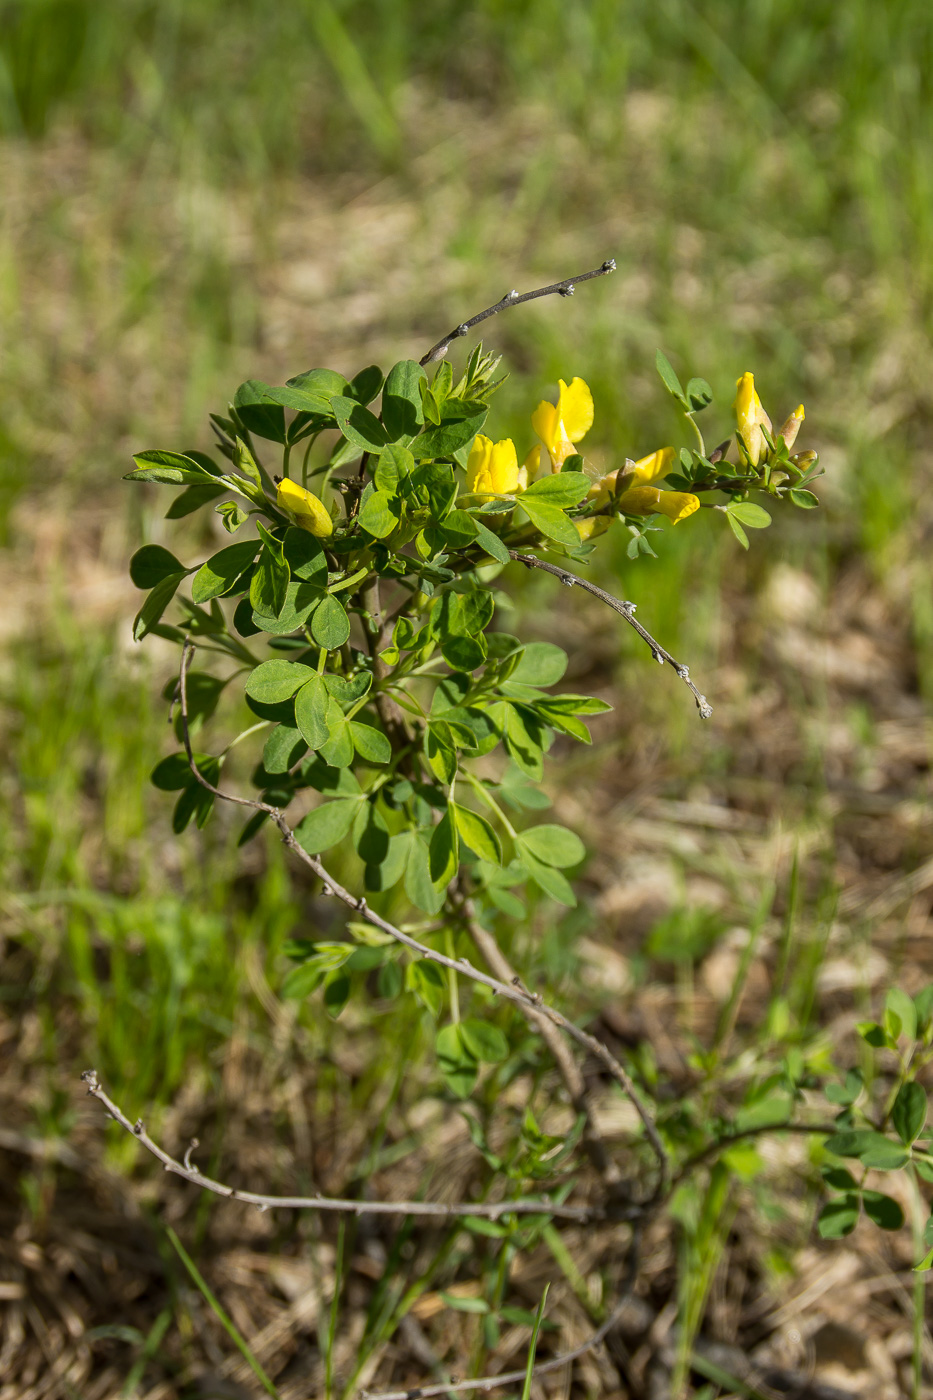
(452, 977)
(491, 803)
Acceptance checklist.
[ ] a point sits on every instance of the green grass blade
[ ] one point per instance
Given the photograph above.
(533, 1346)
(225, 1321)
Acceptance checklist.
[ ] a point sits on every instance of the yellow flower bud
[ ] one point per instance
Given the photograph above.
(792, 427)
(750, 416)
(592, 526)
(646, 500)
(304, 508)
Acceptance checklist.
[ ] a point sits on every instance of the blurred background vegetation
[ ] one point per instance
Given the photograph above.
(196, 192)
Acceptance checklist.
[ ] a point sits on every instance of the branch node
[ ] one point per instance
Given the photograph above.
(139, 1127)
(189, 1165)
(566, 290)
(511, 296)
(463, 329)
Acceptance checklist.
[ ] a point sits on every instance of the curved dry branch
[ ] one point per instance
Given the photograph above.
(624, 609)
(561, 289)
(436, 1209)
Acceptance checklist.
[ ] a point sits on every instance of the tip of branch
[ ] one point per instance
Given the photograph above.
(609, 265)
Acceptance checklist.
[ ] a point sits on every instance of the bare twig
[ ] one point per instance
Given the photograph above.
(443, 1210)
(624, 609)
(562, 289)
(513, 992)
(486, 1383)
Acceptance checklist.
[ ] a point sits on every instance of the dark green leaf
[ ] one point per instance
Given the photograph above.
(256, 413)
(358, 425)
(191, 499)
(426, 979)
(491, 543)
(910, 1112)
(885, 1212)
(393, 466)
(304, 556)
(301, 599)
(330, 626)
(463, 653)
(370, 743)
(419, 886)
(460, 422)
(311, 704)
(284, 748)
(313, 391)
(669, 378)
(169, 469)
(174, 772)
(222, 570)
(274, 681)
(155, 605)
(699, 393)
(402, 412)
(444, 852)
(151, 564)
(269, 584)
(549, 880)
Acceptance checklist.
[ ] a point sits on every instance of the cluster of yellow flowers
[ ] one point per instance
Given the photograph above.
(493, 468)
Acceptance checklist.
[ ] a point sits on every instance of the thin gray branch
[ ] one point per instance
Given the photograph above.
(624, 609)
(253, 1198)
(527, 1002)
(562, 289)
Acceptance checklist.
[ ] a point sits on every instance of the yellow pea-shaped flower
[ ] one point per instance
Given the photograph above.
(304, 508)
(493, 468)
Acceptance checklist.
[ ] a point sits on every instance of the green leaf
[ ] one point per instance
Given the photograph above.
(459, 529)
(326, 825)
(155, 605)
(301, 599)
(563, 489)
(909, 1113)
(483, 1041)
(426, 980)
(330, 626)
(311, 704)
(874, 1035)
(736, 529)
(748, 514)
(347, 692)
(222, 570)
(169, 469)
(278, 680)
(393, 466)
(839, 1178)
(549, 880)
(256, 413)
(885, 1212)
(554, 845)
(366, 385)
(669, 378)
(457, 1065)
(805, 499)
(463, 653)
(358, 425)
(402, 412)
(371, 744)
(491, 543)
(838, 1218)
(460, 422)
(338, 751)
(699, 393)
(419, 886)
(174, 773)
(898, 1003)
(269, 584)
(283, 749)
(551, 521)
(312, 392)
(151, 564)
(476, 833)
(444, 852)
(305, 556)
(192, 499)
(871, 1148)
(379, 514)
(541, 664)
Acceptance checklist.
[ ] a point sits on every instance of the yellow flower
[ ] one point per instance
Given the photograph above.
(493, 468)
(304, 508)
(792, 427)
(560, 427)
(750, 416)
(646, 500)
(640, 497)
(592, 525)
